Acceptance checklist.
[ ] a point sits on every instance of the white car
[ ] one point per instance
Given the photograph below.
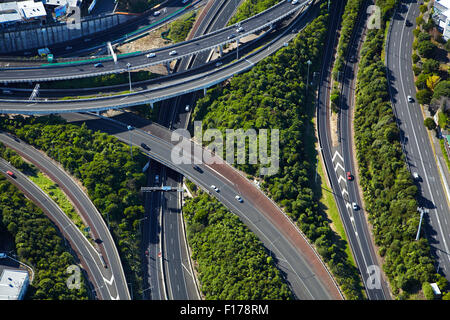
(355, 206)
(187, 108)
(215, 188)
(156, 13)
(415, 175)
(240, 29)
(151, 55)
(410, 99)
(294, 1)
(156, 178)
(238, 198)
(172, 53)
(218, 64)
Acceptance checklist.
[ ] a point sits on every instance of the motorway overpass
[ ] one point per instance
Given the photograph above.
(170, 88)
(86, 68)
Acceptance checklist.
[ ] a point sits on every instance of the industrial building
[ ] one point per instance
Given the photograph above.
(13, 284)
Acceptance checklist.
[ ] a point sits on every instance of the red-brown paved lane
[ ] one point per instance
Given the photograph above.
(274, 214)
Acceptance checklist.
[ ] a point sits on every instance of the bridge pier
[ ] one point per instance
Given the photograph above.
(221, 50)
(168, 67)
(204, 91)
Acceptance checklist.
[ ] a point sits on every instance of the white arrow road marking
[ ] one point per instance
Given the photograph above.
(337, 154)
(341, 178)
(344, 191)
(337, 166)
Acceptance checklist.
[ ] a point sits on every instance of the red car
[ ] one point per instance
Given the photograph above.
(349, 176)
(146, 253)
(11, 174)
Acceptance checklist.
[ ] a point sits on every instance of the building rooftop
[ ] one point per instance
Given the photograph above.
(9, 12)
(11, 284)
(31, 9)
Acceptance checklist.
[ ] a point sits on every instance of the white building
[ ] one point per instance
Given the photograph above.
(23, 11)
(13, 284)
(442, 17)
(31, 10)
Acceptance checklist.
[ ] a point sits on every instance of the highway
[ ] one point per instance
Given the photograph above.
(90, 259)
(303, 270)
(416, 144)
(139, 61)
(86, 45)
(114, 275)
(179, 280)
(356, 220)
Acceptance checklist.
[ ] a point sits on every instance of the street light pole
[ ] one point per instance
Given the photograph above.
(129, 74)
(131, 145)
(307, 78)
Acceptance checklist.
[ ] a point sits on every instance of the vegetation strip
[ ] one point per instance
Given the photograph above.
(388, 190)
(273, 95)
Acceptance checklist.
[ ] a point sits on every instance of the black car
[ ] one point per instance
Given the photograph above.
(231, 36)
(197, 168)
(146, 147)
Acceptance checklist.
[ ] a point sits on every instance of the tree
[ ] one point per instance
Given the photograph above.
(430, 124)
(426, 49)
(430, 66)
(432, 81)
(424, 96)
(427, 291)
(442, 89)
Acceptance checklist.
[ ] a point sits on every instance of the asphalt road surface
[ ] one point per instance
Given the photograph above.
(417, 147)
(301, 267)
(89, 257)
(117, 284)
(183, 49)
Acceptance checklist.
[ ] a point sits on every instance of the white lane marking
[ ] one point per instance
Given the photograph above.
(341, 178)
(339, 166)
(417, 144)
(337, 154)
